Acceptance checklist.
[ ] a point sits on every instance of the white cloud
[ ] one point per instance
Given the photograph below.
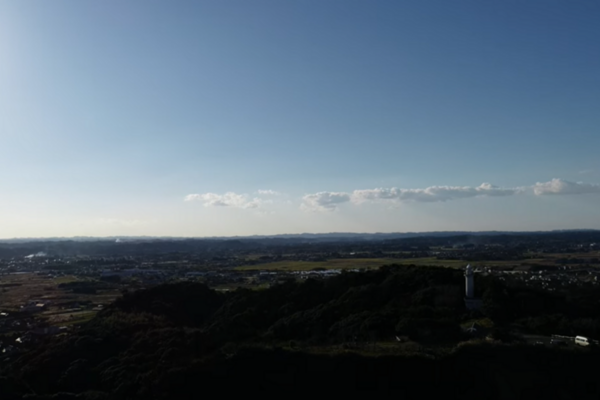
(431, 194)
(324, 201)
(330, 201)
(559, 186)
(229, 199)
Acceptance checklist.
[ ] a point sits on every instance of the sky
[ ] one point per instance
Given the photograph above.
(223, 118)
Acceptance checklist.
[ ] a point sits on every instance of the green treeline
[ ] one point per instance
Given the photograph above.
(329, 336)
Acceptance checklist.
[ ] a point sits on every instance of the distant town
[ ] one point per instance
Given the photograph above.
(52, 287)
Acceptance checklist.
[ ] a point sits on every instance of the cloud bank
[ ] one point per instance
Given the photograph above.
(229, 199)
(324, 201)
(430, 194)
(329, 201)
(559, 186)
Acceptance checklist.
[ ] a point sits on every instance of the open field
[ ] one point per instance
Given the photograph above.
(65, 279)
(23, 288)
(339, 263)
(370, 263)
(432, 261)
(66, 319)
(17, 290)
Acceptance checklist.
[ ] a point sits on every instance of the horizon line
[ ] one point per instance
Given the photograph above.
(291, 234)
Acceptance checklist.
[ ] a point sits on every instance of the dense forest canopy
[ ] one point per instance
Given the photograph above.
(333, 334)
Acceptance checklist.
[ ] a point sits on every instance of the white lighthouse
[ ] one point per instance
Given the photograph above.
(469, 285)
(471, 302)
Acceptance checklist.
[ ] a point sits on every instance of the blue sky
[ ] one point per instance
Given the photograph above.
(202, 118)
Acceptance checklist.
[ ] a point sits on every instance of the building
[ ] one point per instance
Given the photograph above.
(471, 302)
(33, 307)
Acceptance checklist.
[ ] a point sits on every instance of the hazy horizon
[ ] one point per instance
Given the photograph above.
(421, 233)
(203, 119)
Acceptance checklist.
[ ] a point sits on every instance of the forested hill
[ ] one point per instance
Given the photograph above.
(332, 336)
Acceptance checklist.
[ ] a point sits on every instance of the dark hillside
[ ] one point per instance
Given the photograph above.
(333, 336)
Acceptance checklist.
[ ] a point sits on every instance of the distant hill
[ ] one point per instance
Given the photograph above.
(320, 236)
(147, 246)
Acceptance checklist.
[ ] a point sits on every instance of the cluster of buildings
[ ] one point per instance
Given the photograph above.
(549, 279)
(29, 331)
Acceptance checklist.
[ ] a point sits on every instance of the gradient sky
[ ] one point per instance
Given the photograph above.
(212, 118)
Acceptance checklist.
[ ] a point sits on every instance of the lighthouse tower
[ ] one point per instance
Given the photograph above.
(469, 285)
(471, 302)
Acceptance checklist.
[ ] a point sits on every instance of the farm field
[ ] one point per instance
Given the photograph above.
(370, 263)
(66, 319)
(336, 263)
(432, 261)
(17, 290)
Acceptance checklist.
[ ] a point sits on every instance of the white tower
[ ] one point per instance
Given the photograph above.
(469, 285)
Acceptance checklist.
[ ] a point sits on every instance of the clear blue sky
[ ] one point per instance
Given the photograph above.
(167, 118)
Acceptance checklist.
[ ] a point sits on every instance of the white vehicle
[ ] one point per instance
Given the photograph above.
(582, 341)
